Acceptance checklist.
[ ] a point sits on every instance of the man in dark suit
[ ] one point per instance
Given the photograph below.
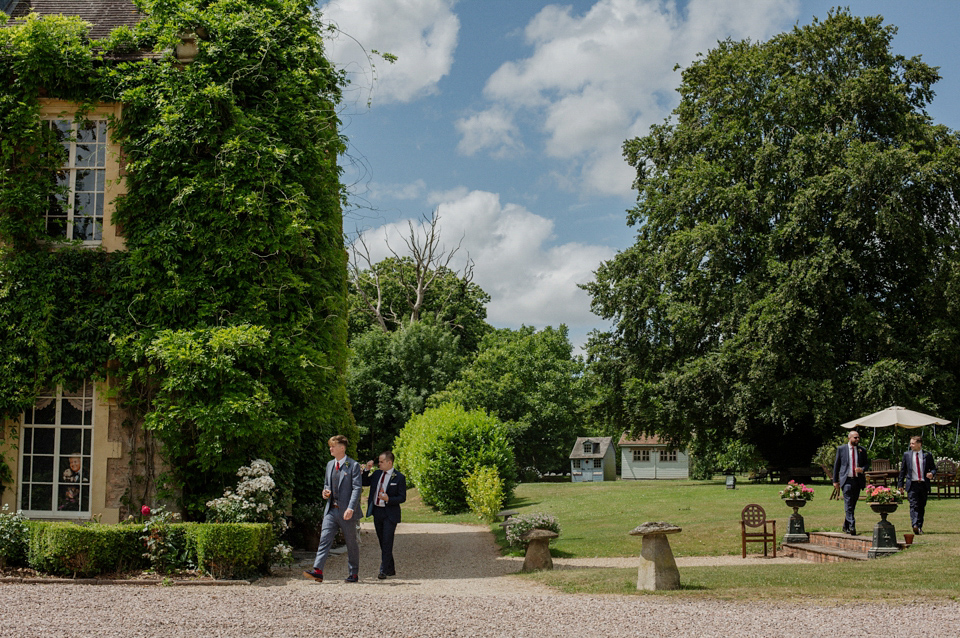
(341, 487)
(916, 471)
(848, 475)
(388, 488)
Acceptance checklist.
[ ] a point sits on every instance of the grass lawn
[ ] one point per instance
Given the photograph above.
(596, 518)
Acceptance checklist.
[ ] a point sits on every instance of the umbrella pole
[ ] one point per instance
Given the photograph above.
(874, 438)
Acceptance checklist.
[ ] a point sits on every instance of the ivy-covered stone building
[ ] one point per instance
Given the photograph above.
(172, 270)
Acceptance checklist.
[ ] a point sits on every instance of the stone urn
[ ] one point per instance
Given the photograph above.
(884, 534)
(795, 529)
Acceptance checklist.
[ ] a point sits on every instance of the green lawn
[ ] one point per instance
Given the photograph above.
(596, 518)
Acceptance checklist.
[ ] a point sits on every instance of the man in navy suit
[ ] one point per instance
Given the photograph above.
(917, 470)
(342, 486)
(848, 475)
(388, 488)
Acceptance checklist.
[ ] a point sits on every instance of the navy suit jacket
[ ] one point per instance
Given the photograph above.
(396, 493)
(929, 465)
(841, 466)
(350, 486)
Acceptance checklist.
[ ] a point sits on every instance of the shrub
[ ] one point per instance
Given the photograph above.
(435, 448)
(254, 501)
(14, 539)
(231, 550)
(164, 541)
(484, 492)
(68, 549)
(526, 522)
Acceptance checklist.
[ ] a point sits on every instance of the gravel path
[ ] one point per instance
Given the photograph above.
(452, 583)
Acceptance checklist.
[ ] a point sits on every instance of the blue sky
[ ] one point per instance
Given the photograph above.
(508, 116)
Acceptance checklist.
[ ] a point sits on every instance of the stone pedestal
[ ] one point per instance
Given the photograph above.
(795, 530)
(884, 533)
(658, 569)
(537, 556)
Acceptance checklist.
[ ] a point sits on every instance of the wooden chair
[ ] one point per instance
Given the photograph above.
(828, 472)
(945, 480)
(754, 518)
(879, 473)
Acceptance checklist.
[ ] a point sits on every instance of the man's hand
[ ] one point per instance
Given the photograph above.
(325, 493)
(835, 485)
(347, 515)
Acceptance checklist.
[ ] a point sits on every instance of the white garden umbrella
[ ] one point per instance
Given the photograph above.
(895, 416)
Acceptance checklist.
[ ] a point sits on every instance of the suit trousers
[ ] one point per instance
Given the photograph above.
(851, 493)
(917, 496)
(386, 530)
(331, 523)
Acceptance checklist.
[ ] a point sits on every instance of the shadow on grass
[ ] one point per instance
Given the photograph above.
(522, 501)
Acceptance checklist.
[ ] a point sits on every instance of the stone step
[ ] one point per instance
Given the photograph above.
(821, 553)
(840, 541)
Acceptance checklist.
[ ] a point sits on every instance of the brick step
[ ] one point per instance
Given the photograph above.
(821, 553)
(841, 541)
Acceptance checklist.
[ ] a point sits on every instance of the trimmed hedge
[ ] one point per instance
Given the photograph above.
(225, 550)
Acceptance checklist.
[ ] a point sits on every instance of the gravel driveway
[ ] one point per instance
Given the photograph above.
(452, 582)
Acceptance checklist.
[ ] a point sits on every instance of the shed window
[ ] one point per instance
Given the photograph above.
(669, 456)
(641, 456)
(588, 447)
(576, 464)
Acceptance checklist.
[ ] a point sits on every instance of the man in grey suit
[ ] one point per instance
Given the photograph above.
(341, 488)
(848, 475)
(916, 471)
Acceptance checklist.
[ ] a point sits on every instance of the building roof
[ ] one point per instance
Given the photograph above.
(602, 443)
(644, 440)
(104, 15)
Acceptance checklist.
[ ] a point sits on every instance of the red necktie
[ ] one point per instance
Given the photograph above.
(380, 488)
(853, 461)
(919, 475)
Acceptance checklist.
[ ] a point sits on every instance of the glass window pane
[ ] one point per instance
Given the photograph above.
(41, 497)
(87, 132)
(25, 498)
(27, 439)
(70, 442)
(85, 181)
(73, 469)
(43, 440)
(69, 414)
(83, 204)
(101, 155)
(25, 474)
(100, 179)
(45, 412)
(87, 435)
(42, 469)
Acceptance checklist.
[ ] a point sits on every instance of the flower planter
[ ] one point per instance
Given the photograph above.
(884, 534)
(883, 509)
(795, 528)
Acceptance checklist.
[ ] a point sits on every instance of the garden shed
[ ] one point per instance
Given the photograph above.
(593, 459)
(649, 458)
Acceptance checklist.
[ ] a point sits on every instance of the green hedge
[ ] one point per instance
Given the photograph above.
(225, 550)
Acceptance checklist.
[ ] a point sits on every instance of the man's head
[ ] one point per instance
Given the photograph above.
(75, 464)
(854, 437)
(385, 462)
(338, 446)
(916, 443)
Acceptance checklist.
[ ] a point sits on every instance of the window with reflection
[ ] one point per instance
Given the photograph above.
(56, 452)
(75, 211)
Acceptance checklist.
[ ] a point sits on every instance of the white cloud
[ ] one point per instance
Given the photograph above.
(492, 129)
(595, 79)
(530, 280)
(421, 33)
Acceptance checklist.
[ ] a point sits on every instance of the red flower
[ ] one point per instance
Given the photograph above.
(145, 510)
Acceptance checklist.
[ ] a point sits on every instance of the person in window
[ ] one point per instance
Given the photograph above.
(70, 501)
(75, 473)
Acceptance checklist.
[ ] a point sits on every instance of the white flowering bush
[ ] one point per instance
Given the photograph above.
(13, 538)
(526, 522)
(254, 501)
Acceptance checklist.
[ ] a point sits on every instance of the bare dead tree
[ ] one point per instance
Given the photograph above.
(427, 255)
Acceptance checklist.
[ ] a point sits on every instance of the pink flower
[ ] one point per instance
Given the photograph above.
(145, 510)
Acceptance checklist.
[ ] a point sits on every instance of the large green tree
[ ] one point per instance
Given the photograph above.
(795, 261)
(390, 375)
(532, 382)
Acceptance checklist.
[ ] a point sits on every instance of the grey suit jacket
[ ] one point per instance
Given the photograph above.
(841, 466)
(348, 485)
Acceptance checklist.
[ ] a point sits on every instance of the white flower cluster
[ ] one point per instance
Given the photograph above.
(253, 501)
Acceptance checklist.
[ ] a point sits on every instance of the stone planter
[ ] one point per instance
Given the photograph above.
(795, 529)
(658, 569)
(537, 557)
(884, 533)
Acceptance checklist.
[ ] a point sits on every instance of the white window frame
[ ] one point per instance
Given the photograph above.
(668, 456)
(641, 456)
(68, 177)
(576, 464)
(88, 396)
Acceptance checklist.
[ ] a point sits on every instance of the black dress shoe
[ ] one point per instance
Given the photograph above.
(919, 530)
(916, 530)
(315, 574)
(381, 576)
(352, 578)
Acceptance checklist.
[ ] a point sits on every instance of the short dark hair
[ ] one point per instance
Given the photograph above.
(338, 439)
(917, 438)
(388, 454)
